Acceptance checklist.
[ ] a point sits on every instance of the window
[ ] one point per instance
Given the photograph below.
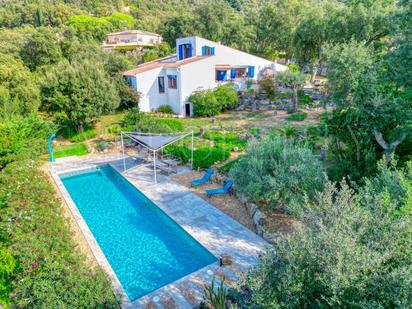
(185, 51)
(208, 51)
(241, 72)
(172, 81)
(221, 75)
(161, 84)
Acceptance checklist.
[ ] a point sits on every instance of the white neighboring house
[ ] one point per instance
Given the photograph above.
(199, 64)
(131, 39)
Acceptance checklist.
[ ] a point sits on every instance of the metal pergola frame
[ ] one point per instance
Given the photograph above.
(179, 136)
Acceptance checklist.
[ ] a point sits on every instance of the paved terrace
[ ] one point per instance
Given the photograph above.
(209, 226)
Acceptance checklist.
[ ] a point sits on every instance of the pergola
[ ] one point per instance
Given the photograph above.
(154, 142)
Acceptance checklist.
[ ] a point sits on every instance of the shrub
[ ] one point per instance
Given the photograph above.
(159, 125)
(114, 129)
(287, 131)
(256, 132)
(227, 166)
(203, 157)
(268, 85)
(226, 96)
(19, 93)
(132, 117)
(305, 100)
(299, 116)
(84, 136)
(279, 173)
(23, 138)
(182, 152)
(137, 120)
(80, 90)
(226, 140)
(207, 156)
(51, 273)
(346, 255)
(8, 267)
(70, 150)
(205, 103)
(395, 184)
(165, 109)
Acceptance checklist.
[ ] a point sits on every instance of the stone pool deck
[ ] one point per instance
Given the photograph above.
(216, 231)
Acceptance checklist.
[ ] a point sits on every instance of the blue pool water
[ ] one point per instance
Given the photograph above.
(145, 248)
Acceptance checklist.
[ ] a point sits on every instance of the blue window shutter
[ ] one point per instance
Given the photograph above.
(180, 55)
(190, 51)
(134, 83)
(251, 71)
(203, 50)
(221, 75)
(212, 51)
(131, 80)
(233, 73)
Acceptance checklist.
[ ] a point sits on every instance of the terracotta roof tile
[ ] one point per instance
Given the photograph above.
(166, 62)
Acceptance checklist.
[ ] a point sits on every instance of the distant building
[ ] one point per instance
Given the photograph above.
(198, 64)
(131, 39)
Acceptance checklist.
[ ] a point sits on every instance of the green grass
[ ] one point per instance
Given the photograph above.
(75, 137)
(299, 116)
(228, 165)
(84, 136)
(227, 140)
(78, 149)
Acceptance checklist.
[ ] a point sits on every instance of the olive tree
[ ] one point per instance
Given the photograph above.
(279, 174)
(349, 253)
(293, 80)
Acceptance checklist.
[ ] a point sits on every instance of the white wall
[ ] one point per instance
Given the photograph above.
(196, 75)
(145, 39)
(150, 98)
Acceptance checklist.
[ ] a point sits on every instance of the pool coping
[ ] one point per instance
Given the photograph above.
(205, 272)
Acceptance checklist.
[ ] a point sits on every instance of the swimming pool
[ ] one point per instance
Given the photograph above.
(145, 248)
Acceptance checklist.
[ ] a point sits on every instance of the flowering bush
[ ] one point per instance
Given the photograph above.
(51, 273)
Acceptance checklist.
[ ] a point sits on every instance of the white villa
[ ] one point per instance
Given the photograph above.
(199, 64)
(131, 39)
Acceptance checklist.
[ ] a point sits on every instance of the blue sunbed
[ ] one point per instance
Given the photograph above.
(206, 177)
(223, 190)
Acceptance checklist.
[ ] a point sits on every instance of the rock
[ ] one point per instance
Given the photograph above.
(225, 260)
(243, 199)
(245, 136)
(251, 208)
(259, 221)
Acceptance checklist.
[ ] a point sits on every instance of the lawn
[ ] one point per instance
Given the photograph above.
(77, 149)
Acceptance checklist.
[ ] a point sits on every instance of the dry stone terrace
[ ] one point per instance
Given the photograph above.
(216, 231)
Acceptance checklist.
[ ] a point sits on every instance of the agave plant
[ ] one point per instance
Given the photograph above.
(216, 298)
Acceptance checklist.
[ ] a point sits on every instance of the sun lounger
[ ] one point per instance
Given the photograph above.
(223, 190)
(206, 177)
